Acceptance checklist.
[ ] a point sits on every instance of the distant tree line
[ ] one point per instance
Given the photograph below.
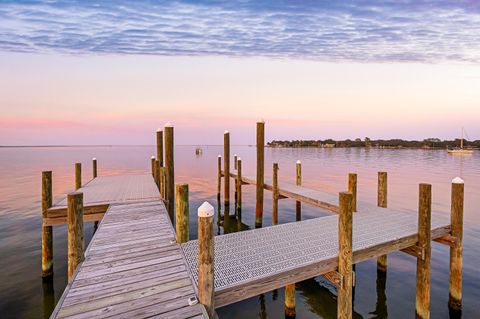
(367, 142)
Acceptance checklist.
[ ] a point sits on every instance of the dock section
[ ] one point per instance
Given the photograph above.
(133, 268)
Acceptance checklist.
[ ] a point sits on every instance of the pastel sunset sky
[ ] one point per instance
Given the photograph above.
(73, 72)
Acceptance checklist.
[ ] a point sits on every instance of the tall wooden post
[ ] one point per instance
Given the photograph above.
(352, 188)
(260, 173)
(422, 304)
(456, 252)
(275, 195)
(298, 204)
(226, 167)
(235, 159)
(170, 171)
(47, 231)
(205, 257)
(382, 202)
(239, 184)
(163, 173)
(160, 146)
(78, 175)
(75, 232)
(152, 162)
(94, 167)
(157, 174)
(181, 214)
(345, 256)
(219, 180)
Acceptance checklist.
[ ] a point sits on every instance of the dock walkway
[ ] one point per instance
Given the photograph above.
(133, 267)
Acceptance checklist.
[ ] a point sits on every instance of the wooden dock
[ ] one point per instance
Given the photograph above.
(133, 267)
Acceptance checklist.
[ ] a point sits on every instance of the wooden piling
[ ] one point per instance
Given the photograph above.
(235, 166)
(352, 188)
(235, 159)
(260, 173)
(160, 146)
(94, 167)
(226, 167)
(152, 162)
(181, 213)
(422, 304)
(239, 184)
(219, 180)
(205, 257)
(298, 180)
(345, 220)
(382, 202)
(276, 195)
(170, 171)
(47, 231)
(163, 181)
(157, 173)
(75, 232)
(290, 301)
(78, 175)
(456, 252)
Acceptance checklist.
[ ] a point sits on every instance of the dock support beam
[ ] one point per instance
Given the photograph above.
(298, 204)
(75, 232)
(78, 175)
(352, 188)
(181, 214)
(382, 202)
(239, 185)
(260, 173)
(219, 180)
(94, 168)
(456, 252)
(345, 256)
(205, 258)
(170, 171)
(226, 167)
(422, 304)
(275, 195)
(47, 231)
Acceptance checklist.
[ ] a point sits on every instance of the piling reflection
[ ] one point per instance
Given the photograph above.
(380, 311)
(263, 308)
(48, 296)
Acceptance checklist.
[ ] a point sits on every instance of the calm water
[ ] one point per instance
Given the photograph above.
(23, 295)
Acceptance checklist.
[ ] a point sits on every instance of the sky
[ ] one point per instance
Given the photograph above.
(75, 72)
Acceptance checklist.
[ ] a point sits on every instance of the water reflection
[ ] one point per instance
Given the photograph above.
(48, 296)
(380, 311)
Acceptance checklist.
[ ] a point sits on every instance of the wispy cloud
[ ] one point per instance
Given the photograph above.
(362, 31)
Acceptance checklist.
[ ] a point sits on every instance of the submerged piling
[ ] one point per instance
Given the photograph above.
(422, 304)
(275, 194)
(94, 167)
(382, 202)
(47, 231)
(219, 178)
(345, 256)
(181, 214)
(170, 171)
(260, 173)
(239, 185)
(456, 252)
(298, 182)
(75, 232)
(78, 175)
(206, 257)
(152, 163)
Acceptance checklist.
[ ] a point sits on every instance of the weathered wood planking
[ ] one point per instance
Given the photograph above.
(133, 269)
(105, 190)
(268, 258)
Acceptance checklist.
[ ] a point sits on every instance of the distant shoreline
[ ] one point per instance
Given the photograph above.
(430, 143)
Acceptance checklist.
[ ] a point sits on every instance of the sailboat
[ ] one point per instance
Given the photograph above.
(460, 150)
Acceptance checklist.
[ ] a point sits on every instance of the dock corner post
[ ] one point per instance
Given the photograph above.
(78, 175)
(152, 163)
(345, 256)
(75, 232)
(239, 185)
(422, 304)
(181, 213)
(456, 252)
(170, 171)
(47, 231)
(298, 181)
(260, 173)
(275, 194)
(206, 257)
(352, 188)
(226, 167)
(160, 146)
(219, 185)
(382, 202)
(94, 168)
